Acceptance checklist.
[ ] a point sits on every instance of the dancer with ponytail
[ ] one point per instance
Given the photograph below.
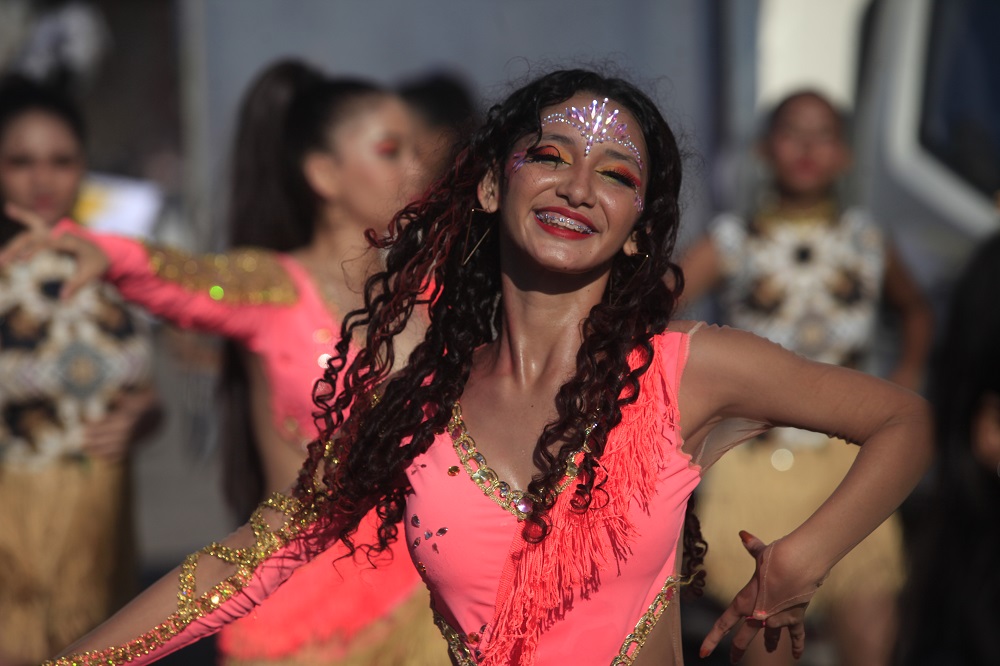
(541, 442)
(316, 163)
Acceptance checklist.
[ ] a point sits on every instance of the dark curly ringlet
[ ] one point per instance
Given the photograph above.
(427, 245)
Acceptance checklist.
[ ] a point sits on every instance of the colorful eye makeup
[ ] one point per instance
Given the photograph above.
(623, 176)
(387, 148)
(597, 124)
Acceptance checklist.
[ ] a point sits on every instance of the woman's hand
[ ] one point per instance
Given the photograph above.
(91, 263)
(132, 416)
(775, 598)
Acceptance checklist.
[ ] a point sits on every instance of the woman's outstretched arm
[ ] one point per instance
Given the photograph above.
(213, 587)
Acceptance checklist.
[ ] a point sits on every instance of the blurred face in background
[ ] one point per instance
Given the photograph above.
(805, 148)
(374, 169)
(435, 146)
(41, 165)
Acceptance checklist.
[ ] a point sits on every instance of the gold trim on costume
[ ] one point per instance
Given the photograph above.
(190, 607)
(517, 502)
(460, 652)
(239, 277)
(634, 641)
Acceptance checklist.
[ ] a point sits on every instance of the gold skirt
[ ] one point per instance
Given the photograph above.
(407, 637)
(745, 490)
(65, 554)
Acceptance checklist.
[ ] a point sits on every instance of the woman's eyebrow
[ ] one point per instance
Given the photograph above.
(558, 138)
(626, 157)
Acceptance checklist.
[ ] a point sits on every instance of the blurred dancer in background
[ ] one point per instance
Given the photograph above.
(956, 541)
(445, 117)
(540, 444)
(317, 163)
(75, 395)
(807, 273)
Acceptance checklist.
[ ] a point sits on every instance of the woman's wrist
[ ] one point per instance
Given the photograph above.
(802, 557)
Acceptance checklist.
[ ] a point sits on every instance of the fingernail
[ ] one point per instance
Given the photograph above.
(745, 536)
(704, 652)
(760, 615)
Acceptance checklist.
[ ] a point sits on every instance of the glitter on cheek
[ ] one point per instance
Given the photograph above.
(638, 202)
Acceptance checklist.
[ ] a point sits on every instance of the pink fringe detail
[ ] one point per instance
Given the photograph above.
(547, 577)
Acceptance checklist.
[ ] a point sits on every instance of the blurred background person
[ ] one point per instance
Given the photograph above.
(949, 612)
(317, 163)
(75, 395)
(444, 113)
(58, 42)
(808, 273)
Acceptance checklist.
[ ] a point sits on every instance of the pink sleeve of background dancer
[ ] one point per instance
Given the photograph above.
(226, 294)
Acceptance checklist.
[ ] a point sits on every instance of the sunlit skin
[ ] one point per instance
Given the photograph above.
(555, 179)
(806, 151)
(41, 165)
(551, 278)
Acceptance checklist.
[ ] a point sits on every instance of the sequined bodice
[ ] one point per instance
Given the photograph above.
(463, 528)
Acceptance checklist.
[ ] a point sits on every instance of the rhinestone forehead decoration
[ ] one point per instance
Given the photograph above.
(597, 125)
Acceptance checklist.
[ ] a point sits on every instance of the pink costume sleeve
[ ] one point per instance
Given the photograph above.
(232, 578)
(226, 294)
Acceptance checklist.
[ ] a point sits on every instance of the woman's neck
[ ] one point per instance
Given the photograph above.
(340, 260)
(542, 330)
(795, 202)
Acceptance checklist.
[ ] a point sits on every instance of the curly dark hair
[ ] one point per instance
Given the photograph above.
(428, 264)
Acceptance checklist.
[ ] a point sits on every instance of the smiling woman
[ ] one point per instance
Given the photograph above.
(542, 441)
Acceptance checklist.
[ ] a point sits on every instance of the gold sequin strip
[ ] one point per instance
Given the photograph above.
(460, 652)
(462, 655)
(240, 277)
(634, 641)
(506, 496)
(191, 607)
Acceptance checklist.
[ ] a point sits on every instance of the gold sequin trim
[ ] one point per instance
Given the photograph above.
(511, 499)
(634, 641)
(240, 277)
(191, 607)
(463, 656)
(460, 652)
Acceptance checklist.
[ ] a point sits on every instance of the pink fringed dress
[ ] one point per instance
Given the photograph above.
(590, 592)
(594, 592)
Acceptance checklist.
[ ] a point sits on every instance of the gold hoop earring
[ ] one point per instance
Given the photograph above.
(468, 232)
